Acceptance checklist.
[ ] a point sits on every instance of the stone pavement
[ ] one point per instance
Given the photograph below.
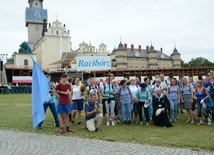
(20, 143)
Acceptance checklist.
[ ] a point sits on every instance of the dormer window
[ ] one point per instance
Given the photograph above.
(137, 54)
(26, 62)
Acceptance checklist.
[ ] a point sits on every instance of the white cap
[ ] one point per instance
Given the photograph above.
(158, 112)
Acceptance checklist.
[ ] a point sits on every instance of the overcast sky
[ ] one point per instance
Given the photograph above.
(190, 23)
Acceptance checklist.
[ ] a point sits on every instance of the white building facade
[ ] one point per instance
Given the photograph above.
(50, 48)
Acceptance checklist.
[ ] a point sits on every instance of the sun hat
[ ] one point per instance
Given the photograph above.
(158, 112)
(146, 104)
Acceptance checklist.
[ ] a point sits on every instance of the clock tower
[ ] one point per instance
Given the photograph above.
(34, 16)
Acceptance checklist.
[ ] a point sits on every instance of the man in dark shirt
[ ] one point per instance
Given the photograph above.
(93, 115)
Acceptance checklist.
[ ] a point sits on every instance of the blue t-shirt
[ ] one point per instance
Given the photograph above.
(142, 95)
(89, 107)
(125, 97)
(173, 92)
(186, 90)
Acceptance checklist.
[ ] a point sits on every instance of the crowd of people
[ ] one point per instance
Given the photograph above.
(130, 101)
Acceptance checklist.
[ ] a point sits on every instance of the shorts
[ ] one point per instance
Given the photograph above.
(78, 104)
(64, 108)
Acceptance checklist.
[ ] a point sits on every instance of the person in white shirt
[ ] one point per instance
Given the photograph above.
(101, 84)
(77, 101)
(133, 87)
(92, 88)
(164, 84)
(156, 86)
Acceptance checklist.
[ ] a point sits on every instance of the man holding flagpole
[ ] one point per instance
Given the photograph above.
(64, 107)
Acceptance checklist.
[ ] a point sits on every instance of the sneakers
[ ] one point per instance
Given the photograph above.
(113, 123)
(209, 121)
(108, 123)
(174, 121)
(201, 122)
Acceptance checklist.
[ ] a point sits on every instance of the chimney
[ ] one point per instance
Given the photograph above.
(147, 48)
(139, 47)
(132, 47)
(161, 49)
(125, 45)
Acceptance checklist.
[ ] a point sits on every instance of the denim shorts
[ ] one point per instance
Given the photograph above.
(78, 104)
(64, 108)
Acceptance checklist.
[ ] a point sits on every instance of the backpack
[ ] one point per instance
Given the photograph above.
(92, 88)
(128, 90)
(104, 88)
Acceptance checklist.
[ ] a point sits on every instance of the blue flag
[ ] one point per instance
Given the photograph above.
(40, 91)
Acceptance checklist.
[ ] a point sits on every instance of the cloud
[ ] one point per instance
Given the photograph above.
(189, 23)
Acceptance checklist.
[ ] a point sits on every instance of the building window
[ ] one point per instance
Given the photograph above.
(57, 32)
(26, 62)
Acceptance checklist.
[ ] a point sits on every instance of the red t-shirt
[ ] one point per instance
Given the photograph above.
(63, 99)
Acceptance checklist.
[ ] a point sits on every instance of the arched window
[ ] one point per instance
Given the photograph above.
(26, 62)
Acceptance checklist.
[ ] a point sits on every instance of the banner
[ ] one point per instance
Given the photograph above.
(93, 63)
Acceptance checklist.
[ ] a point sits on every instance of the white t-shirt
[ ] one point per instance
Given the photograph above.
(164, 84)
(155, 87)
(133, 89)
(76, 92)
(101, 85)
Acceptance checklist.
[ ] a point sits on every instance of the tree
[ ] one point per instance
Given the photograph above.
(200, 62)
(184, 64)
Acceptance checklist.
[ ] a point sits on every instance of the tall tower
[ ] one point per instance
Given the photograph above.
(34, 16)
(176, 58)
(152, 57)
